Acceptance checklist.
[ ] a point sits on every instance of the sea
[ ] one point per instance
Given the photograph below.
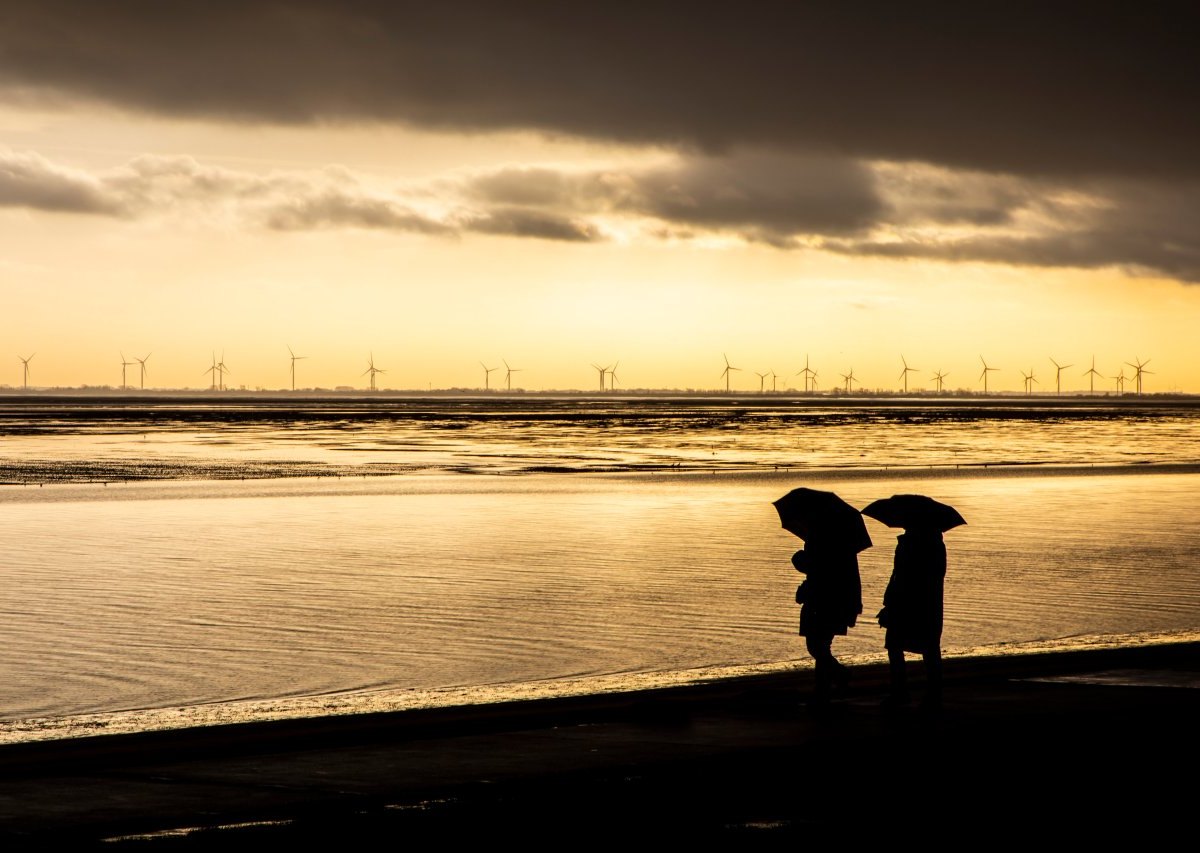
(176, 560)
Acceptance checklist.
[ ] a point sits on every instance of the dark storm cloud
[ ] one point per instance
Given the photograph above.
(1027, 88)
(1141, 228)
(760, 196)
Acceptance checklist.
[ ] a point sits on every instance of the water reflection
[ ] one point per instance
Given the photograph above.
(187, 593)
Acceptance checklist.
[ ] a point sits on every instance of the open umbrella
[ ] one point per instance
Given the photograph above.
(824, 517)
(914, 511)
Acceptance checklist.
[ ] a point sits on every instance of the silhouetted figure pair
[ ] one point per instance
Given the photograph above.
(830, 599)
(912, 611)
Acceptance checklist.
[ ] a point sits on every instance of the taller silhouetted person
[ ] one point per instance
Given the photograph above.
(912, 603)
(912, 610)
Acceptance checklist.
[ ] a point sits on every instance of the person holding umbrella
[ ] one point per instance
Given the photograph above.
(831, 595)
(913, 601)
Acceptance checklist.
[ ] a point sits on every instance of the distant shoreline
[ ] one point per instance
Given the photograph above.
(999, 399)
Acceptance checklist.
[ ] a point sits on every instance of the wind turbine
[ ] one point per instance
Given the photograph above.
(904, 373)
(222, 369)
(1029, 380)
(938, 377)
(213, 371)
(612, 376)
(986, 371)
(806, 373)
(774, 376)
(25, 362)
(728, 369)
(372, 370)
(487, 375)
(1058, 377)
(1120, 377)
(601, 371)
(1092, 373)
(124, 364)
(1139, 369)
(849, 377)
(142, 362)
(509, 371)
(762, 380)
(814, 382)
(295, 358)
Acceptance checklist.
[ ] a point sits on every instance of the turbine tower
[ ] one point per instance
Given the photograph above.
(762, 380)
(25, 362)
(986, 371)
(142, 362)
(487, 375)
(1139, 371)
(904, 373)
(938, 377)
(1029, 380)
(849, 377)
(729, 368)
(1058, 376)
(601, 371)
(222, 369)
(509, 371)
(612, 376)
(774, 376)
(372, 371)
(1092, 373)
(1120, 377)
(124, 364)
(295, 358)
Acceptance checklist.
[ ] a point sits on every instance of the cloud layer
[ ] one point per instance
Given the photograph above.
(879, 209)
(1033, 89)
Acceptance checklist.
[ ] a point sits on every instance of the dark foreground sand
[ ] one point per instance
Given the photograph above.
(1083, 746)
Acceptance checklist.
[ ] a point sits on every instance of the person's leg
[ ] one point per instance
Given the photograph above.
(899, 676)
(821, 649)
(933, 676)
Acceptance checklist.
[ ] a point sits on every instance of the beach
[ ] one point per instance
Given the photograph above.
(1087, 744)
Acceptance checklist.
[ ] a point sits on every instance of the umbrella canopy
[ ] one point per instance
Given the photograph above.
(914, 512)
(824, 517)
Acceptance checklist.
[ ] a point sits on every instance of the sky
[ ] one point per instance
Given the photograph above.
(552, 186)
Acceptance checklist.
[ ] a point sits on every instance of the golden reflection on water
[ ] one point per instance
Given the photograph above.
(178, 594)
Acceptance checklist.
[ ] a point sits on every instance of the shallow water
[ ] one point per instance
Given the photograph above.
(180, 594)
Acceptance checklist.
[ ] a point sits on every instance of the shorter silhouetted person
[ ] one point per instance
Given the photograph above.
(912, 610)
(830, 599)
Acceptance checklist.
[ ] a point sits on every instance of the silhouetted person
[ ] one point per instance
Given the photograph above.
(830, 599)
(912, 610)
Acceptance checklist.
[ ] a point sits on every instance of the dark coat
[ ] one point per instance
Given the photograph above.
(912, 602)
(832, 594)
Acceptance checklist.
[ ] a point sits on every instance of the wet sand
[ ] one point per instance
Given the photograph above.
(1093, 744)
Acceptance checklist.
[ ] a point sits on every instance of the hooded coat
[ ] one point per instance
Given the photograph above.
(832, 593)
(913, 600)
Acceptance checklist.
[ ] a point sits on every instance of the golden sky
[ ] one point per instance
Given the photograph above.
(439, 228)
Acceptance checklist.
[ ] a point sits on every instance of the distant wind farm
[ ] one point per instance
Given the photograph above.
(605, 380)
